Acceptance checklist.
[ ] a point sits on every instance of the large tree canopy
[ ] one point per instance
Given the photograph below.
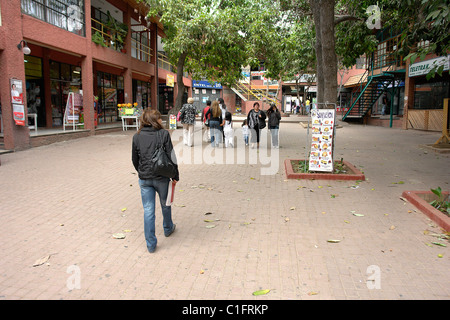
(212, 39)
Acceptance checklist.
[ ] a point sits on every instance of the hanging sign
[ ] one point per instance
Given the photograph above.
(170, 80)
(321, 156)
(17, 102)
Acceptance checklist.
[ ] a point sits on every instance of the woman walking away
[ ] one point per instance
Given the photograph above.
(215, 123)
(187, 117)
(145, 141)
(274, 118)
(256, 120)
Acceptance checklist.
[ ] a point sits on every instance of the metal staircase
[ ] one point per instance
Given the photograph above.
(246, 94)
(370, 88)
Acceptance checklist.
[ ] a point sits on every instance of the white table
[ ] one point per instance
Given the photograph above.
(33, 115)
(125, 125)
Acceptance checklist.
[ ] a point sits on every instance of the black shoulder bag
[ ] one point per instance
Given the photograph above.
(161, 163)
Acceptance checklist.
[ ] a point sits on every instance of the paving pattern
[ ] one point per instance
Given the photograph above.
(64, 202)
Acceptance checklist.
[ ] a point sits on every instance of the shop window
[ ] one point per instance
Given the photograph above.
(110, 93)
(431, 94)
(64, 78)
(141, 93)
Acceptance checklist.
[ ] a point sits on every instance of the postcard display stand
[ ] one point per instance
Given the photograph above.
(321, 156)
(72, 113)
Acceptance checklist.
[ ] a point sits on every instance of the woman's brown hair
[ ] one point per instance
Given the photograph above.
(216, 112)
(150, 117)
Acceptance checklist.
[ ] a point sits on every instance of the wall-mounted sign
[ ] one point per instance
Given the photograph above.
(423, 67)
(205, 84)
(170, 80)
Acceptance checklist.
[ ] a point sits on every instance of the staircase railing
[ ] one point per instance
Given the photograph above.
(247, 94)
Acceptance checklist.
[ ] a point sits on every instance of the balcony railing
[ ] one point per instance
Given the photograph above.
(65, 14)
(163, 63)
(139, 46)
(107, 36)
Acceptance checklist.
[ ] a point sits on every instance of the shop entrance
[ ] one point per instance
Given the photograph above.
(35, 90)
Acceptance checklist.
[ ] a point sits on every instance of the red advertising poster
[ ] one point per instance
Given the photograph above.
(16, 91)
(17, 102)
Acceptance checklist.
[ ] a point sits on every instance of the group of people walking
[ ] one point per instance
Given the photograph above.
(218, 119)
(151, 137)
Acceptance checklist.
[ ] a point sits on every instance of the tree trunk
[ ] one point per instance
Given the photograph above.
(329, 60)
(315, 7)
(180, 84)
(323, 12)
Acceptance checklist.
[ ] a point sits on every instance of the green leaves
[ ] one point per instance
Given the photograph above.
(261, 292)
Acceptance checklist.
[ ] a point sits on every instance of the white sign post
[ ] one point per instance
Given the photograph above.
(321, 155)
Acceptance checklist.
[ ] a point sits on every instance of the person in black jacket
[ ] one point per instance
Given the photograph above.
(143, 147)
(256, 120)
(274, 117)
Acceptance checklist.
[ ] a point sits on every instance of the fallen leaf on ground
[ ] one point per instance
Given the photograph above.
(292, 208)
(333, 240)
(118, 236)
(124, 209)
(41, 261)
(439, 244)
(261, 292)
(312, 293)
(358, 215)
(392, 227)
(211, 226)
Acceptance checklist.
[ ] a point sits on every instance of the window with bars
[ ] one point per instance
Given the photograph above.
(386, 55)
(65, 14)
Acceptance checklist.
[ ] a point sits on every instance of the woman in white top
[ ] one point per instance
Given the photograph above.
(228, 130)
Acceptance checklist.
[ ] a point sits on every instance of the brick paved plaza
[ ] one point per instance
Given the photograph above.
(67, 200)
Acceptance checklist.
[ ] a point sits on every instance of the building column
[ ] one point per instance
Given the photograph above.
(12, 66)
(408, 102)
(87, 75)
(47, 88)
(154, 87)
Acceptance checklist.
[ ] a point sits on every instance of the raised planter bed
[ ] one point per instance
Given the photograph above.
(421, 199)
(353, 174)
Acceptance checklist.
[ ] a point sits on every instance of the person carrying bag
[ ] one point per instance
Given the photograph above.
(154, 159)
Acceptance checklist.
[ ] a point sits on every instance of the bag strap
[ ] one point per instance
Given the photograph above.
(158, 140)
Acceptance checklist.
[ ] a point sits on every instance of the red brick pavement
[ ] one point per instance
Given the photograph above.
(67, 199)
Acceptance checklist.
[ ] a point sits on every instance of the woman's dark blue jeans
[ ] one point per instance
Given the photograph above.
(148, 193)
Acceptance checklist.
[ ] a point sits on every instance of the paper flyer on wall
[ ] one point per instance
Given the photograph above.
(321, 156)
(170, 193)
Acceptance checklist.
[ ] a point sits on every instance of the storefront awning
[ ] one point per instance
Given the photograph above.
(355, 80)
